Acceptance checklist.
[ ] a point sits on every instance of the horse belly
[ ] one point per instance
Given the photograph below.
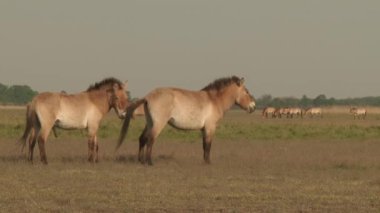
(71, 122)
(187, 122)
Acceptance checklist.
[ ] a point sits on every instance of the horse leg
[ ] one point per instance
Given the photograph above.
(142, 140)
(148, 153)
(151, 136)
(96, 151)
(41, 145)
(207, 140)
(43, 134)
(91, 148)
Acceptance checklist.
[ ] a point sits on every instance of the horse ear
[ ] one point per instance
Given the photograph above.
(116, 86)
(242, 81)
(125, 84)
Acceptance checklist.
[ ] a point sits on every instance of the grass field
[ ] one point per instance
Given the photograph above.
(258, 165)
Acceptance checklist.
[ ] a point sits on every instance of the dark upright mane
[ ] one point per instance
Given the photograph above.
(107, 81)
(221, 83)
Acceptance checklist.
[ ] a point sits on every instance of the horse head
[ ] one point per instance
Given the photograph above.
(118, 99)
(244, 99)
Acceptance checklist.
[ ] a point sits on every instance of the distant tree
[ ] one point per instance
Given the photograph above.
(285, 102)
(320, 100)
(16, 94)
(3, 90)
(330, 102)
(264, 101)
(305, 102)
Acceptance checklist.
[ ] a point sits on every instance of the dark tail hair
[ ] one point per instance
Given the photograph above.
(31, 118)
(124, 130)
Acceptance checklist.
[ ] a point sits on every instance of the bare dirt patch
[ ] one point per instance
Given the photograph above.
(245, 176)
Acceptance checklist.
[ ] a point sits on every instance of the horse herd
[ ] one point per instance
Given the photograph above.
(291, 112)
(180, 108)
(294, 112)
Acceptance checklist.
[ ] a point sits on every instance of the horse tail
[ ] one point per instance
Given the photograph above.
(28, 126)
(124, 130)
(31, 117)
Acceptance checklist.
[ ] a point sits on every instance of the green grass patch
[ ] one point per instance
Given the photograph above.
(232, 127)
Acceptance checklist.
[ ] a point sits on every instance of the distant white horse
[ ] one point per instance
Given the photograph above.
(314, 111)
(358, 112)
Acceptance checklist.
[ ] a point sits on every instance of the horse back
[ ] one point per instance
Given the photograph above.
(175, 97)
(47, 101)
(56, 101)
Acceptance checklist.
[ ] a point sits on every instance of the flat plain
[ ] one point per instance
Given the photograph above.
(258, 165)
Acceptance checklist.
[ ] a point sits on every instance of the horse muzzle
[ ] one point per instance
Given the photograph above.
(251, 107)
(121, 114)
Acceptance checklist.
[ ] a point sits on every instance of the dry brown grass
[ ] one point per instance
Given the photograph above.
(245, 176)
(18, 107)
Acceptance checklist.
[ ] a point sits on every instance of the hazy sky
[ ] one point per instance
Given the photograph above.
(282, 48)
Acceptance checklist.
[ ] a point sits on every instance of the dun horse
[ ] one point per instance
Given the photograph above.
(78, 111)
(282, 112)
(314, 111)
(358, 112)
(188, 110)
(295, 112)
(269, 111)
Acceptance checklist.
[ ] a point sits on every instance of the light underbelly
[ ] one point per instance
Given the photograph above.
(186, 124)
(71, 123)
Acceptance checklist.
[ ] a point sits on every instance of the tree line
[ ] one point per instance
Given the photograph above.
(16, 94)
(22, 94)
(319, 101)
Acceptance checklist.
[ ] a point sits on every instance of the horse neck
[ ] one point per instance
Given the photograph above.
(100, 99)
(223, 98)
